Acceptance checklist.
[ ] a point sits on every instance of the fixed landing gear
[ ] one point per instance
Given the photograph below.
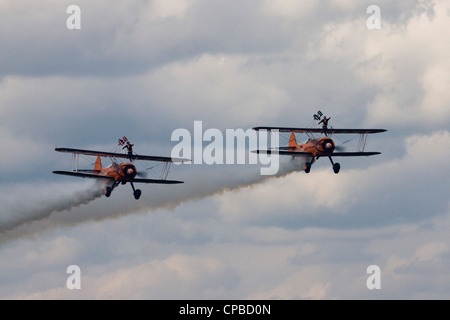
(108, 191)
(307, 167)
(336, 166)
(136, 192)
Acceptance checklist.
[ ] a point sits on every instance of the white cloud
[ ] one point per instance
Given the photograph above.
(156, 279)
(402, 64)
(303, 284)
(217, 89)
(22, 153)
(288, 8)
(165, 9)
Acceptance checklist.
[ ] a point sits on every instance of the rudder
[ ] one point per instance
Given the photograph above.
(98, 164)
(292, 140)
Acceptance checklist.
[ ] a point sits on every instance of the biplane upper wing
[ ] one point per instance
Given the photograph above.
(121, 155)
(319, 130)
(353, 154)
(83, 175)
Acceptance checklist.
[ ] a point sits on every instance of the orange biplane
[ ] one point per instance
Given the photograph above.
(118, 173)
(316, 147)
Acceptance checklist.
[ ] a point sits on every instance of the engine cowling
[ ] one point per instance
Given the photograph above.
(129, 171)
(327, 145)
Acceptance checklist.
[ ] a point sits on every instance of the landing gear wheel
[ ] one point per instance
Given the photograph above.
(307, 167)
(336, 167)
(108, 191)
(137, 194)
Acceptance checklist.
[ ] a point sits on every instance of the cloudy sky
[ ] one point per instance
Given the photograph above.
(145, 68)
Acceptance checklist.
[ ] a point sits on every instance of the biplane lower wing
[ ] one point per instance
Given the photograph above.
(309, 154)
(157, 181)
(353, 154)
(102, 177)
(284, 153)
(319, 130)
(120, 155)
(83, 175)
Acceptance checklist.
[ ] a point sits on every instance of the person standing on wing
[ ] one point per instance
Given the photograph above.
(129, 147)
(325, 124)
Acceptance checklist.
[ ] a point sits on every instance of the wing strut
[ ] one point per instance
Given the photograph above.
(362, 141)
(75, 160)
(165, 170)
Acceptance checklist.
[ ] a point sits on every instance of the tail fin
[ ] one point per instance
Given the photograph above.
(292, 140)
(98, 164)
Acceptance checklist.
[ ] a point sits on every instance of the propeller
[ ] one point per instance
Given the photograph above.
(341, 147)
(142, 174)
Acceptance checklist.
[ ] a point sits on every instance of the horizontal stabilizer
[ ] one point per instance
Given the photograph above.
(286, 148)
(88, 171)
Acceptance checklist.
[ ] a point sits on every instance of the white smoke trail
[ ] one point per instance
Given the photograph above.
(28, 210)
(200, 182)
(25, 204)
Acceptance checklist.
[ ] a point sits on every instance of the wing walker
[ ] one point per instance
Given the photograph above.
(317, 147)
(310, 151)
(118, 172)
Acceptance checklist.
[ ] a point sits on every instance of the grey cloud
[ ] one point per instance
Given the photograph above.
(126, 39)
(135, 71)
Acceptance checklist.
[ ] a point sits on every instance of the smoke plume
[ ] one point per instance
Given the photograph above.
(28, 210)
(21, 205)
